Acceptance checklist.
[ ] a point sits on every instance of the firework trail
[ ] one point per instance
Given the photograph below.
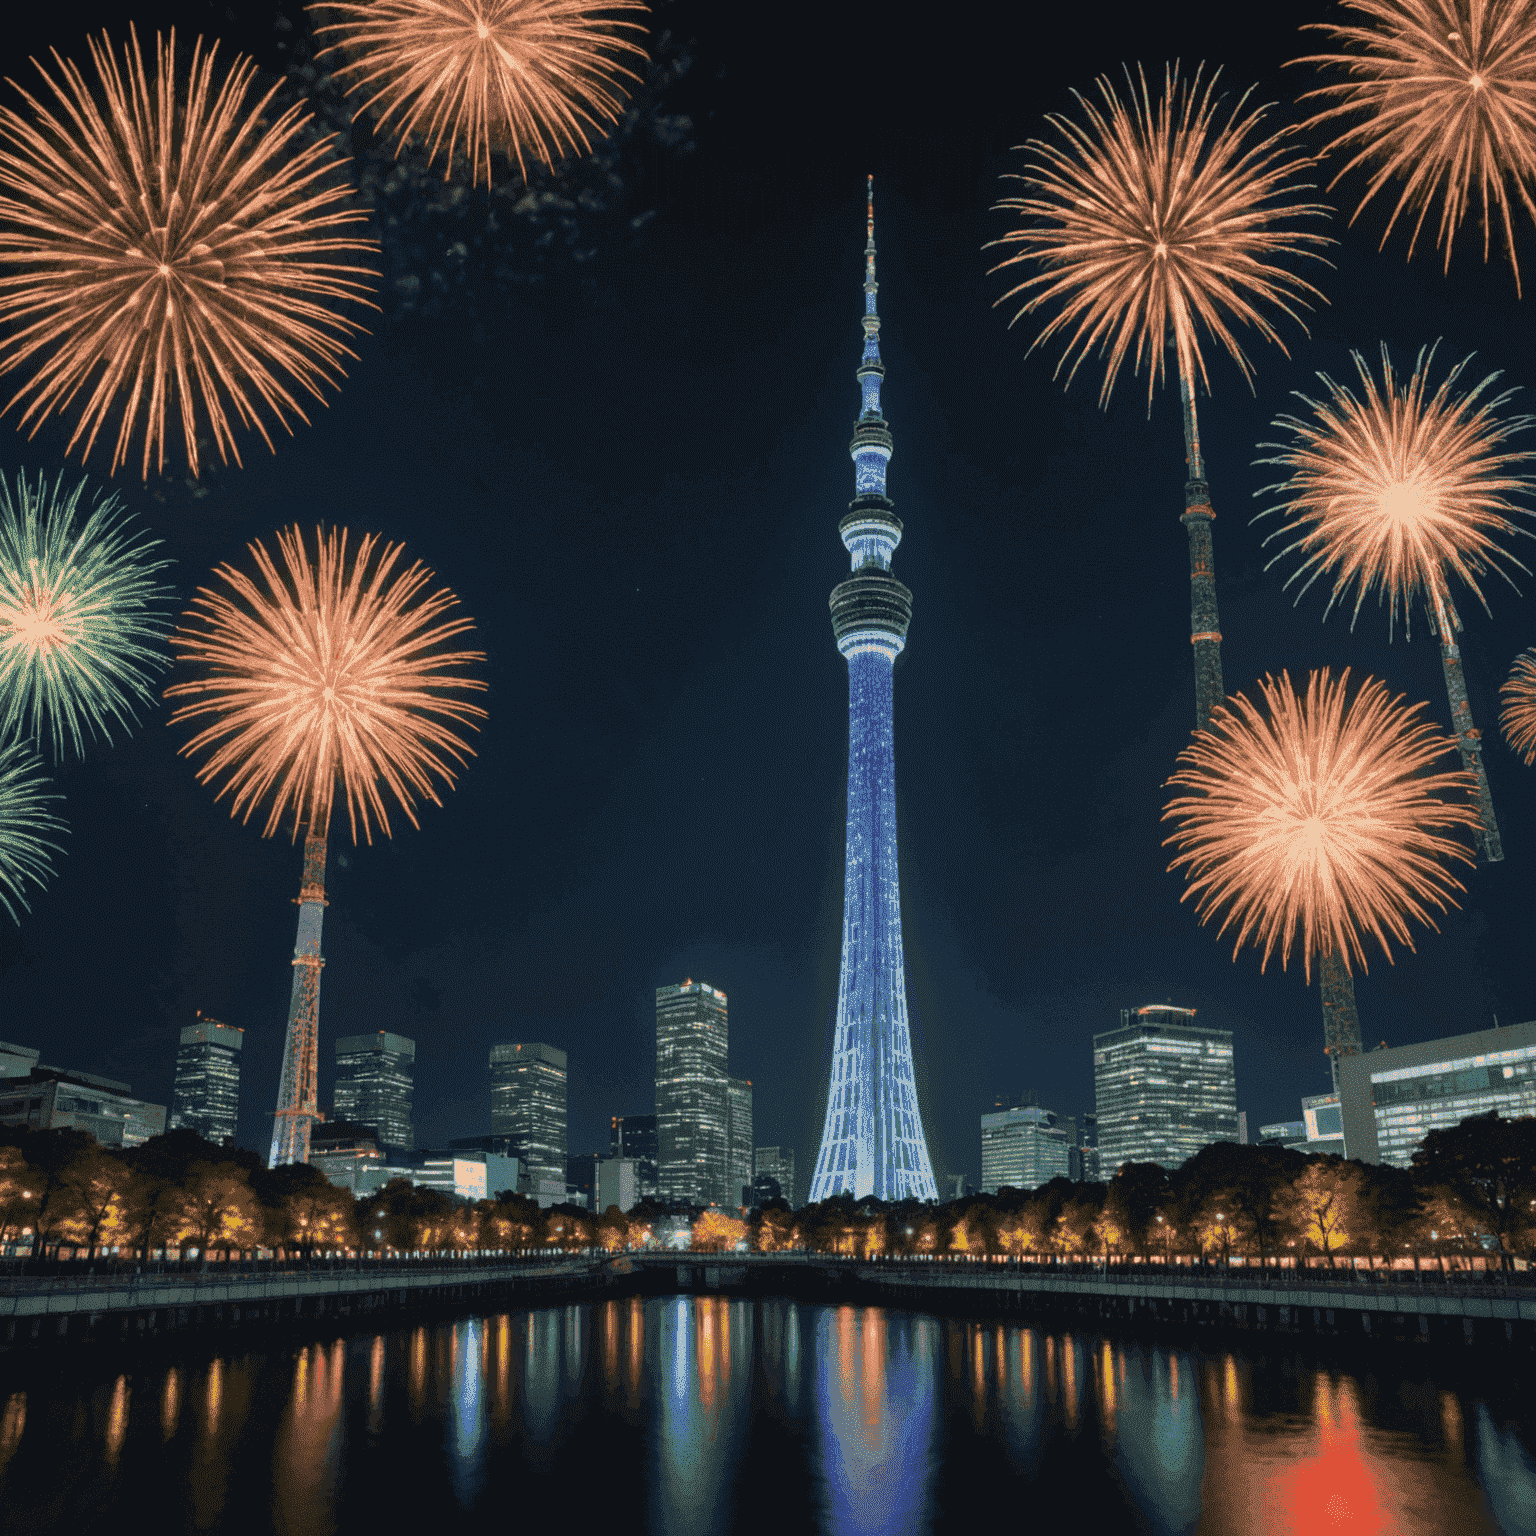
(1398, 491)
(1518, 717)
(81, 615)
(532, 79)
(1444, 93)
(25, 826)
(167, 253)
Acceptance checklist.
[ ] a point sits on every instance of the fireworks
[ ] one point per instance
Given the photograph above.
(163, 251)
(1446, 94)
(528, 78)
(1401, 489)
(1155, 220)
(1518, 716)
(1313, 821)
(25, 823)
(79, 614)
(326, 670)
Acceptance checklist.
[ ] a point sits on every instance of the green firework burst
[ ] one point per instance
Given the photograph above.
(80, 614)
(25, 822)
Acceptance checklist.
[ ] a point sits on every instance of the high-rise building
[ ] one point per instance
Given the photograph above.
(872, 1141)
(616, 1185)
(1164, 1087)
(1023, 1148)
(778, 1164)
(1391, 1099)
(1083, 1158)
(346, 1153)
(634, 1137)
(739, 1157)
(581, 1178)
(207, 1092)
(528, 1108)
(52, 1099)
(1242, 1127)
(375, 1078)
(692, 1102)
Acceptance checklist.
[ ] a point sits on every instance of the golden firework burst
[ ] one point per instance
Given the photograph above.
(1445, 94)
(164, 251)
(1312, 821)
(328, 672)
(1518, 717)
(532, 79)
(1152, 221)
(1400, 490)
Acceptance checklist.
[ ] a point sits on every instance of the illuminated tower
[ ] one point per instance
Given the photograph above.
(872, 1142)
(298, 1097)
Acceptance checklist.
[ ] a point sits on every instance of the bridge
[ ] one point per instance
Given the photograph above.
(120, 1304)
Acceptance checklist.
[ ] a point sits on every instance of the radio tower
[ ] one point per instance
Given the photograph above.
(298, 1097)
(873, 1141)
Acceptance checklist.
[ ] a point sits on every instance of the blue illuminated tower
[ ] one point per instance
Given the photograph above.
(873, 1141)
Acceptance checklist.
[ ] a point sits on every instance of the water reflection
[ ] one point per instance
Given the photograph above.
(875, 1419)
(697, 1415)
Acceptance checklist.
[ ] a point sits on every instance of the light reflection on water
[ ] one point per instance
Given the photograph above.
(698, 1415)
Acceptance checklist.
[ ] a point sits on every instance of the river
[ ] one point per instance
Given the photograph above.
(702, 1416)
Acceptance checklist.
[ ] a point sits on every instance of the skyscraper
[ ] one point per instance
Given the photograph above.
(1164, 1087)
(207, 1092)
(777, 1164)
(634, 1137)
(1024, 1147)
(692, 1102)
(528, 1108)
(872, 1141)
(739, 1157)
(374, 1082)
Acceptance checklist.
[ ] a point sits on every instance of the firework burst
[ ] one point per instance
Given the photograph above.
(25, 825)
(1312, 822)
(529, 78)
(326, 672)
(1400, 490)
(81, 615)
(1155, 220)
(1518, 717)
(166, 252)
(1445, 94)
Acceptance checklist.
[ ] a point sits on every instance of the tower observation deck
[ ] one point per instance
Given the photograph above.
(872, 1142)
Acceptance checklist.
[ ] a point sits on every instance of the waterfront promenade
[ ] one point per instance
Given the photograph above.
(118, 1303)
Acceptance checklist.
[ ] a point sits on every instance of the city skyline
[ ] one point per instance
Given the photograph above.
(659, 790)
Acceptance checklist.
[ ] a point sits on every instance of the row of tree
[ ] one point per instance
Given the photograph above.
(1471, 1190)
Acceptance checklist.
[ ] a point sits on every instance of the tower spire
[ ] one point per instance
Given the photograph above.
(872, 1141)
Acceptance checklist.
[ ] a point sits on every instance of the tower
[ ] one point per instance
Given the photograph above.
(1204, 621)
(872, 1142)
(298, 1098)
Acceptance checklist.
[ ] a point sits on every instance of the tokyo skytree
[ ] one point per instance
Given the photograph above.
(873, 1141)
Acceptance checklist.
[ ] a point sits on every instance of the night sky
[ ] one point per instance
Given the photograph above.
(631, 470)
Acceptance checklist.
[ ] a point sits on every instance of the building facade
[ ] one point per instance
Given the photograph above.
(692, 1094)
(1164, 1087)
(634, 1137)
(739, 1096)
(778, 1164)
(207, 1092)
(1391, 1099)
(1023, 1148)
(872, 1140)
(375, 1082)
(346, 1153)
(617, 1184)
(51, 1099)
(528, 1108)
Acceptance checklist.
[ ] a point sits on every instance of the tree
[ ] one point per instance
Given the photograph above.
(716, 1232)
(96, 1195)
(1246, 1185)
(1077, 1220)
(1132, 1202)
(218, 1208)
(1489, 1164)
(771, 1226)
(1325, 1203)
(303, 1210)
(50, 1156)
(17, 1197)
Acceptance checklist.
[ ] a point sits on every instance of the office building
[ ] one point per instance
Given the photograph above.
(467, 1175)
(1391, 1099)
(16, 1060)
(1242, 1127)
(1283, 1133)
(634, 1137)
(581, 1178)
(778, 1165)
(528, 1108)
(375, 1079)
(739, 1153)
(1083, 1157)
(1324, 1120)
(346, 1153)
(207, 1092)
(1164, 1087)
(872, 1140)
(51, 1099)
(616, 1184)
(1022, 1148)
(692, 1099)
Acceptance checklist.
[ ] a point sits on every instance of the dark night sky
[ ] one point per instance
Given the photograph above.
(632, 473)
